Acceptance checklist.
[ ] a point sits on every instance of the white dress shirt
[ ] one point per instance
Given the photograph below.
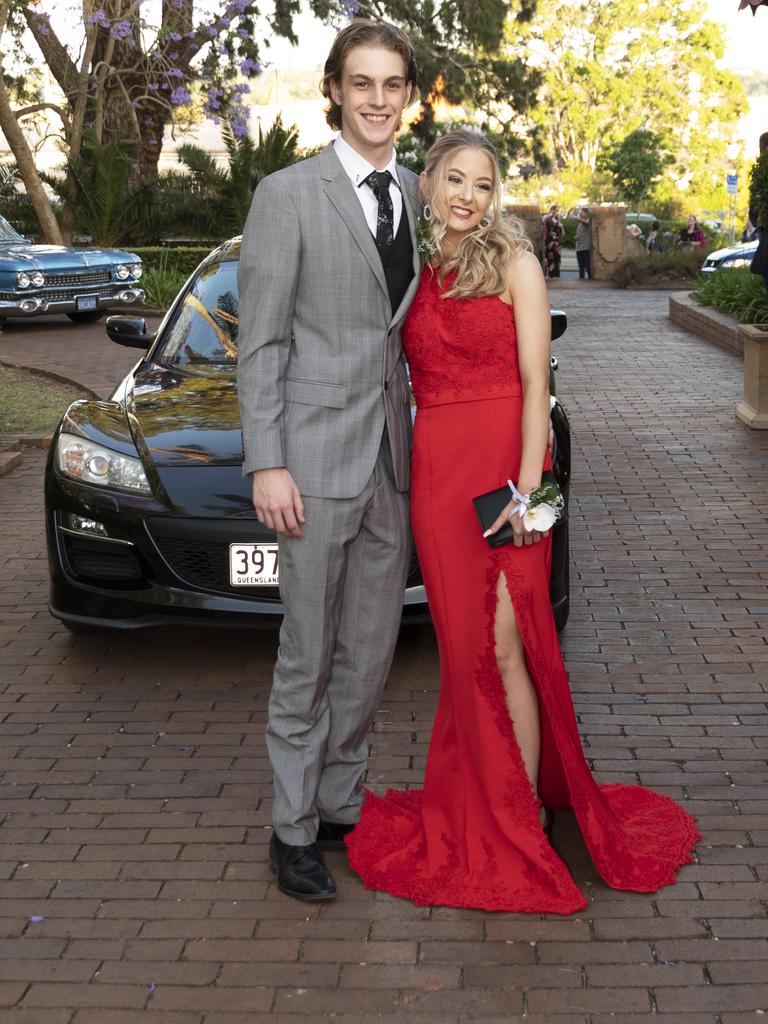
(358, 169)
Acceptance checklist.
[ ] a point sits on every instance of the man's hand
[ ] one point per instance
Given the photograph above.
(277, 501)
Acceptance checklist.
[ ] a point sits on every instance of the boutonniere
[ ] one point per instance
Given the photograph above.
(426, 244)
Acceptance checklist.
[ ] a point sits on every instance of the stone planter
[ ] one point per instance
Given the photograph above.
(753, 410)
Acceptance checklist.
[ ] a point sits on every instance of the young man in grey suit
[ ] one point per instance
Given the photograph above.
(328, 268)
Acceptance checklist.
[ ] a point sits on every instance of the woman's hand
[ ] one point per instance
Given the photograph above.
(521, 535)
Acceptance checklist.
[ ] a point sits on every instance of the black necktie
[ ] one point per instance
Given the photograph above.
(385, 221)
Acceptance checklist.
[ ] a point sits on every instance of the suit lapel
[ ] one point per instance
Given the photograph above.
(411, 206)
(341, 193)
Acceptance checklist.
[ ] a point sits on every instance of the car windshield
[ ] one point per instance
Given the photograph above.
(203, 330)
(8, 233)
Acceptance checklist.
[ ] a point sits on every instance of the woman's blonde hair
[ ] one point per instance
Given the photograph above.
(482, 255)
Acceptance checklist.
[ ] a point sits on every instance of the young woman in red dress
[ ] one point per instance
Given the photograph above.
(505, 748)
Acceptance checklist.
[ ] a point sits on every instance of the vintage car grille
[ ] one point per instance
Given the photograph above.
(57, 294)
(68, 294)
(197, 550)
(78, 278)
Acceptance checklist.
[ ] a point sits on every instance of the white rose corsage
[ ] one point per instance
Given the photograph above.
(426, 244)
(540, 509)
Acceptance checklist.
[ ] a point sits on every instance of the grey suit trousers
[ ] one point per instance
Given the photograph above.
(342, 586)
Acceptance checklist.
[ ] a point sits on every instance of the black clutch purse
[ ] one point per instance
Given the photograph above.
(489, 507)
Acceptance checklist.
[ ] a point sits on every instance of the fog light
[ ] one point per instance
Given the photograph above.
(29, 306)
(82, 525)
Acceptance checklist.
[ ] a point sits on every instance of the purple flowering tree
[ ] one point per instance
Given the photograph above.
(129, 76)
(133, 75)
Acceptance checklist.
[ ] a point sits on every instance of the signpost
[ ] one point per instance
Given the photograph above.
(731, 187)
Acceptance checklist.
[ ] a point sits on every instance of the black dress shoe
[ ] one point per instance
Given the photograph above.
(300, 870)
(330, 836)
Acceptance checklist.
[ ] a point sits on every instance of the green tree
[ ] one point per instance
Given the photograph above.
(635, 165)
(758, 189)
(610, 67)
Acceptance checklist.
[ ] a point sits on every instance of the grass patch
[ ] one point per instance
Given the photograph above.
(30, 404)
(738, 292)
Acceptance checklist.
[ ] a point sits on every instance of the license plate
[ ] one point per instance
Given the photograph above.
(85, 302)
(253, 565)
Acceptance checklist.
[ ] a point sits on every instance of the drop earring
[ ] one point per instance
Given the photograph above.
(427, 212)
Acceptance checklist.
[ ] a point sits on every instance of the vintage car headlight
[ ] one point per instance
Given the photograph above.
(136, 269)
(23, 280)
(122, 271)
(38, 279)
(94, 464)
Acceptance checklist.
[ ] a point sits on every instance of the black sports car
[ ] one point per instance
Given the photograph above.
(148, 518)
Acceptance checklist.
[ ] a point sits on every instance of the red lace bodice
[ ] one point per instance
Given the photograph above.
(459, 350)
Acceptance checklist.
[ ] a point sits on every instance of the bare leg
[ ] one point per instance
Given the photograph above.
(522, 702)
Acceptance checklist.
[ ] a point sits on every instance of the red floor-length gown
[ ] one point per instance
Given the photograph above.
(472, 837)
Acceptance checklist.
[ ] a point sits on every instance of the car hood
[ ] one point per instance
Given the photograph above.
(745, 249)
(181, 419)
(25, 255)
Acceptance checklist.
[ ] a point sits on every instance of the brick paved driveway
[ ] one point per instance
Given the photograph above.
(135, 806)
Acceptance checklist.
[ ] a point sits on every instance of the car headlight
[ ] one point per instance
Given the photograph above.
(23, 280)
(136, 269)
(94, 464)
(122, 271)
(740, 262)
(38, 279)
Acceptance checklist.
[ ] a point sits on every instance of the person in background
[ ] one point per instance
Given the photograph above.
(691, 236)
(653, 241)
(553, 233)
(750, 231)
(759, 264)
(584, 243)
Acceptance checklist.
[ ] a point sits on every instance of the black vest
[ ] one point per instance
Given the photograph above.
(398, 264)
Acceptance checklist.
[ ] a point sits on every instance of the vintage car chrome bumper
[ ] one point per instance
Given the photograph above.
(58, 300)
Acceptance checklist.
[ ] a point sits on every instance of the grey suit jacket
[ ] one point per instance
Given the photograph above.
(320, 367)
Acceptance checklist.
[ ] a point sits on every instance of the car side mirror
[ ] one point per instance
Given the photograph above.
(130, 331)
(558, 319)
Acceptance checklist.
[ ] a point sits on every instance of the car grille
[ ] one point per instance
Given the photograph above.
(67, 294)
(98, 560)
(57, 294)
(198, 553)
(78, 278)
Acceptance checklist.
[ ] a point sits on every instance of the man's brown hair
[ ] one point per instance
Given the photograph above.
(364, 33)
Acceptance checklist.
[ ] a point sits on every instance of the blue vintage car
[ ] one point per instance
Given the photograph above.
(83, 283)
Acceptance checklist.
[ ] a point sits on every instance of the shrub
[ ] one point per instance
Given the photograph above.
(161, 287)
(647, 268)
(738, 292)
(181, 261)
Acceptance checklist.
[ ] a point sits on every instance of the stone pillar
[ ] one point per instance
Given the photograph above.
(531, 218)
(753, 410)
(610, 240)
